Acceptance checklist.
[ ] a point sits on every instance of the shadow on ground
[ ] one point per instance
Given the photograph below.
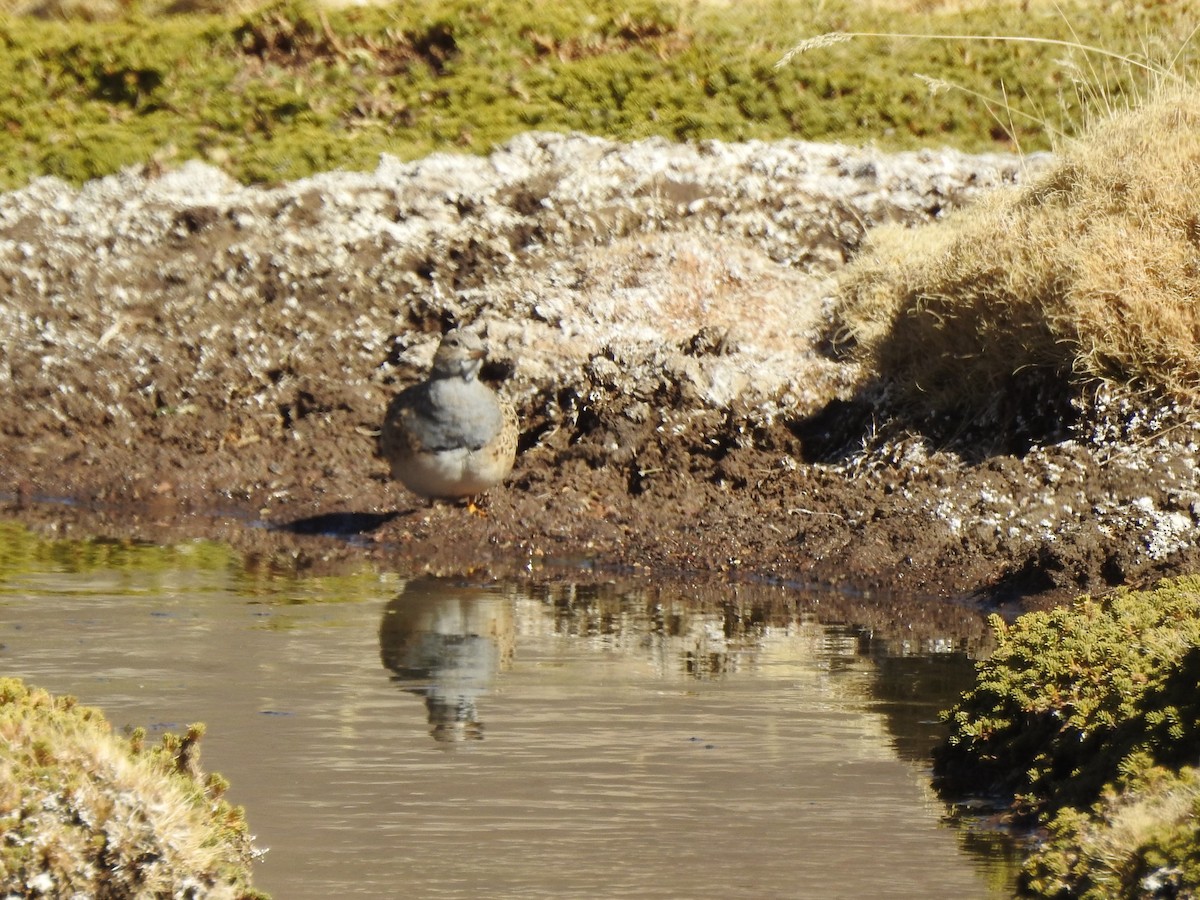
(339, 524)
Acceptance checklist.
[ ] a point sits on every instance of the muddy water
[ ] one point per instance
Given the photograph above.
(434, 739)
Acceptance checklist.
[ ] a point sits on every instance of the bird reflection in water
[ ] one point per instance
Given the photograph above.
(445, 641)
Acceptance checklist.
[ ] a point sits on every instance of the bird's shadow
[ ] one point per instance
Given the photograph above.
(338, 524)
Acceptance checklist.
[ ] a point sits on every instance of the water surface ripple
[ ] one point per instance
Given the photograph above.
(434, 739)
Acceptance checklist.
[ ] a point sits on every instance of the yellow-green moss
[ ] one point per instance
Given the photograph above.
(1089, 719)
(288, 89)
(87, 813)
(1133, 844)
(1069, 694)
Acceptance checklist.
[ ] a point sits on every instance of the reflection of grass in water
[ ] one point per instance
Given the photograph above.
(361, 581)
(176, 568)
(23, 552)
(286, 90)
(997, 854)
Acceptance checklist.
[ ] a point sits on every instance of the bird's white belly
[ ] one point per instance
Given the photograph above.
(449, 473)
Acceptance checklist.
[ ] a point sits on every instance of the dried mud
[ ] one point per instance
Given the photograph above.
(187, 357)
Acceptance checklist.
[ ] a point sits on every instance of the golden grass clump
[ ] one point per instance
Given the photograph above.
(1090, 272)
(1138, 843)
(86, 813)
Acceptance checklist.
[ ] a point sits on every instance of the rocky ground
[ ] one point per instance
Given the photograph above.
(183, 355)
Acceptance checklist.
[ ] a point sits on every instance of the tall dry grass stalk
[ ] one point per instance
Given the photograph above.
(837, 37)
(1092, 71)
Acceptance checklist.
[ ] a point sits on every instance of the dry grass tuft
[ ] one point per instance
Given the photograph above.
(1138, 843)
(87, 813)
(1089, 273)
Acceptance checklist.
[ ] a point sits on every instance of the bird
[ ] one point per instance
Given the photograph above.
(451, 436)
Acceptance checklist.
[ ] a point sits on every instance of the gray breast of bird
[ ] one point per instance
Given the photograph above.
(453, 413)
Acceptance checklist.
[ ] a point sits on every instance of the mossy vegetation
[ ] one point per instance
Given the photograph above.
(1088, 720)
(87, 813)
(279, 91)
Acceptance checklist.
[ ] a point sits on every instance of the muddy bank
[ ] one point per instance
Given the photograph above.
(177, 344)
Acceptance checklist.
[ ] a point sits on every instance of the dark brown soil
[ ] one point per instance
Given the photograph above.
(683, 509)
(202, 371)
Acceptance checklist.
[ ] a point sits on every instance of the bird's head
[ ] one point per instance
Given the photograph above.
(459, 355)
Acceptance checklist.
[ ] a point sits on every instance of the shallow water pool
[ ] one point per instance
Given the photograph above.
(439, 739)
